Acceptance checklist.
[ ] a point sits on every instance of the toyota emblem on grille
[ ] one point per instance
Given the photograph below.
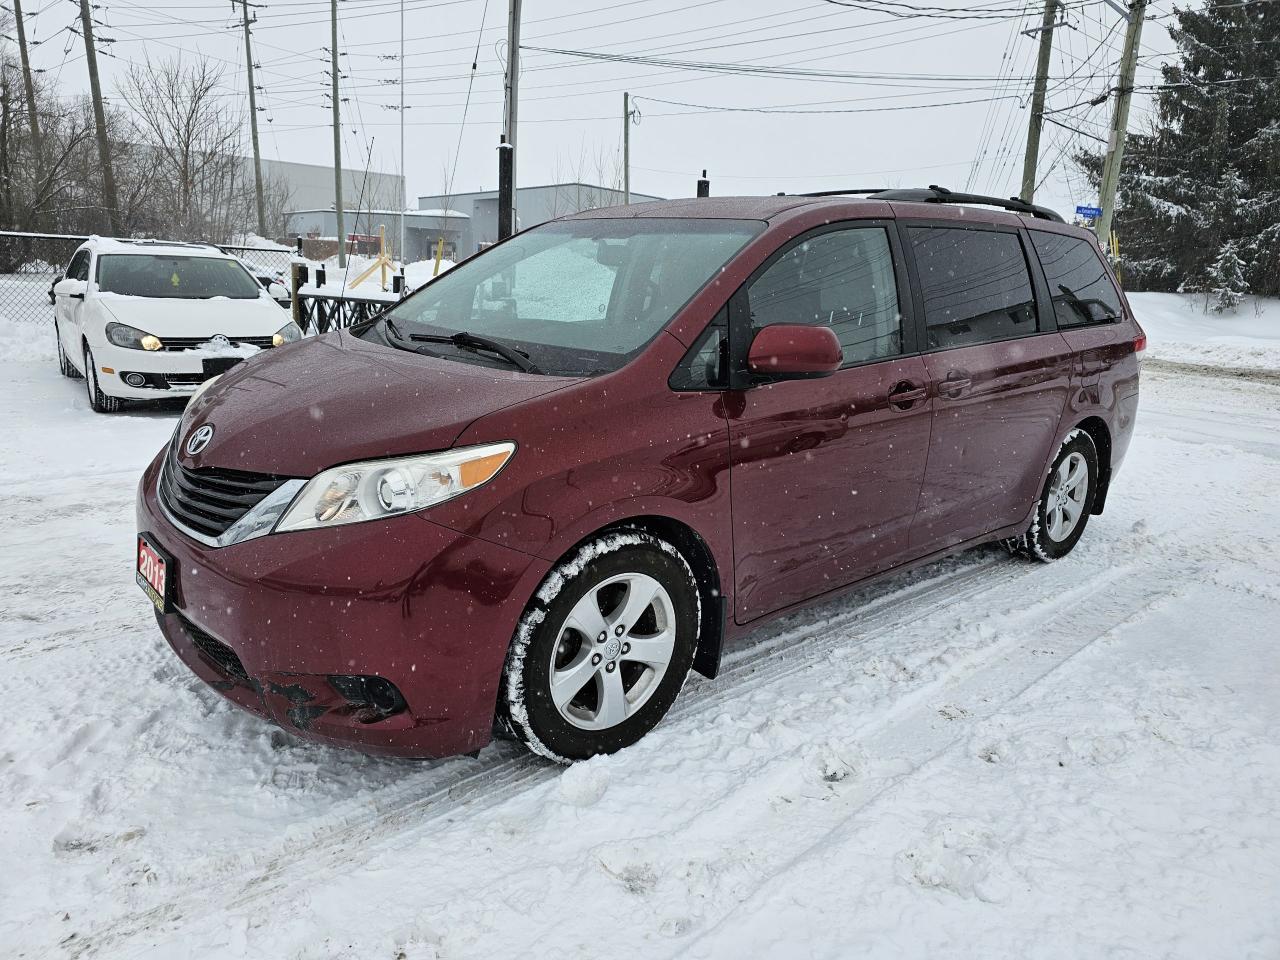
(199, 439)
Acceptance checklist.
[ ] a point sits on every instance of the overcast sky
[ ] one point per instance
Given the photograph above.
(966, 79)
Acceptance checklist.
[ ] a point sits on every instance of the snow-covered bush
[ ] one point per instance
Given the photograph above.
(1227, 284)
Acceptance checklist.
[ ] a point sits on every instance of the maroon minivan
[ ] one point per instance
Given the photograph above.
(542, 489)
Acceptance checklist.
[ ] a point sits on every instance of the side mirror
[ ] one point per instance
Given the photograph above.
(794, 351)
(70, 288)
(277, 290)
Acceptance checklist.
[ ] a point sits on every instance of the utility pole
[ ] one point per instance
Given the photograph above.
(253, 125)
(1037, 102)
(507, 149)
(626, 148)
(26, 78)
(337, 136)
(404, 183)
(1119, 122)
(100, 121)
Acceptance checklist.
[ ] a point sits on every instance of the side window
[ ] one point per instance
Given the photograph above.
(843, 279)
(1081, 290)
(975, 284)
(78, 269)
(706, 365)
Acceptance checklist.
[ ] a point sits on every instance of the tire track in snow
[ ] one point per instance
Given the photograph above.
(479, 784)
(1003, 674)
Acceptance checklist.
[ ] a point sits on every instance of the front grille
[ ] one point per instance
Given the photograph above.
(210, 500)
(219, 655)
(191, 343)
(183, 379)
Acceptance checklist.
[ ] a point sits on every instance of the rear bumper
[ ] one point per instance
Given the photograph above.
(428, 609)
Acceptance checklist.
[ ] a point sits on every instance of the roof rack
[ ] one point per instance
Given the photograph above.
(936, 194)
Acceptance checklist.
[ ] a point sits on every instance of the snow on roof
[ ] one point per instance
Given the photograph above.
(146, 246)
(385, 213)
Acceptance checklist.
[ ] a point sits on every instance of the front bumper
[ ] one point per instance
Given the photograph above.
(431, 610)
(185, 367)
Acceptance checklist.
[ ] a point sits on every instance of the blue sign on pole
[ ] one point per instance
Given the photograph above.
(1093, 213)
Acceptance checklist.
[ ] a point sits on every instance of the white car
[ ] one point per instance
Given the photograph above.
(146, 319)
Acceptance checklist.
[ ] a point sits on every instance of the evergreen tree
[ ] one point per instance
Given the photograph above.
(1226, 279)
(1207, 171)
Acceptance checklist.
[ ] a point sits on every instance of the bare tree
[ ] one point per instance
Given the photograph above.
(194, 135)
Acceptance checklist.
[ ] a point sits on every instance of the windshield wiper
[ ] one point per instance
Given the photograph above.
(391, 325)
(473, 341)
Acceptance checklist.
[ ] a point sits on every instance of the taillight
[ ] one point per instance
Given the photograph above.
(1139, 343)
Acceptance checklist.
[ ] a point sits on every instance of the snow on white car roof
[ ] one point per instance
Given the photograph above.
(152, 247)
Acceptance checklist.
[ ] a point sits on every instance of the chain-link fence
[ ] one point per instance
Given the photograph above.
(264, 259)
(30, 264)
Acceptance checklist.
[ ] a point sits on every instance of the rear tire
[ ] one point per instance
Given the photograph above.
(1065, 503)
(99, 401)
(65, 366)
(603, 648)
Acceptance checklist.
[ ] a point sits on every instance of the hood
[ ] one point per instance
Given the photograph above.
(295, 410)
(196, 318)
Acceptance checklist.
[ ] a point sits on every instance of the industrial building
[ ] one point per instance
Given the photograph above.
(478, 211)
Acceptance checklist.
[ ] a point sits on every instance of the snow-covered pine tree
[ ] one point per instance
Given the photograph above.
(1227, 284)
(1207, 168)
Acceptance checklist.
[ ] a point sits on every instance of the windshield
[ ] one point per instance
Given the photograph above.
(577, 297)
(183, 278)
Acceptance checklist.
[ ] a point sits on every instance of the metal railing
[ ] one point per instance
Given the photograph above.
(318, 313)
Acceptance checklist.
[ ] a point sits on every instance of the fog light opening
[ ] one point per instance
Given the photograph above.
(135, 379)
(374, 698)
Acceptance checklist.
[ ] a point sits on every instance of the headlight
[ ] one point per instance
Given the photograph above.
(123, 335)
(384, 488)
(202, 388)
(286, 334)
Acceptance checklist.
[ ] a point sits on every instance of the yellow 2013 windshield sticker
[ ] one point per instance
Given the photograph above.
(174, 279)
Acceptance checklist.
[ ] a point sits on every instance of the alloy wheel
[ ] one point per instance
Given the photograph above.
(1068, 494)
(612, 651)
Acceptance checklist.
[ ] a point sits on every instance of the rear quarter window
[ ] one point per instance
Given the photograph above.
(1081, 289)
(975, 284)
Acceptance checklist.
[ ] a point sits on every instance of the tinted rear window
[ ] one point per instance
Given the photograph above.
(1081, 290)
(975, 284)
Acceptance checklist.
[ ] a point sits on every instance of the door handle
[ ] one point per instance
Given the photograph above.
(955, 384)
(905, 394)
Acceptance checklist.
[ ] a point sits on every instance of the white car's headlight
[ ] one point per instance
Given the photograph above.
(123, 335)
(383, 488)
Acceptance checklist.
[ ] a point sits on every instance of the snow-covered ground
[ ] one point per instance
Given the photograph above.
(984, 758)
(1182, 331)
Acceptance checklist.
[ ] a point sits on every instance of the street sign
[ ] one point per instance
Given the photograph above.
(1093, 213)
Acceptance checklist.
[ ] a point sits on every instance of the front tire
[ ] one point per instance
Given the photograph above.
(1065, 503)
(603, 648)
(99, 401)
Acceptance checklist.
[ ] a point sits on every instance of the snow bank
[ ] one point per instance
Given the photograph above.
(1179, 329)
(417, 273)
(27, 341)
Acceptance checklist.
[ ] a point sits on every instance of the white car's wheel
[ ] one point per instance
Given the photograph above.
(99, 401)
